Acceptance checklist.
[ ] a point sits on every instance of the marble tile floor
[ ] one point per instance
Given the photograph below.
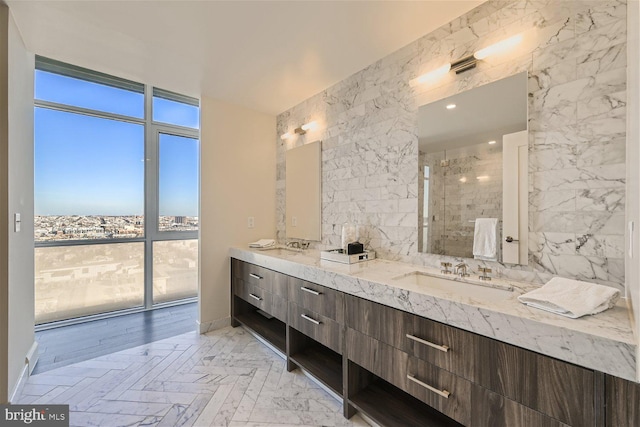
(224, 378)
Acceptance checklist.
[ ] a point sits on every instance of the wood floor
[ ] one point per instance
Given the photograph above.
(75, 343)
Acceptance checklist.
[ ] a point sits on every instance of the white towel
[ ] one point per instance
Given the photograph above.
(485, 239)
(263, 243)
(571, 298)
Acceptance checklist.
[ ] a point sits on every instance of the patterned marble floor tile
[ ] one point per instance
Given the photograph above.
(223, 378)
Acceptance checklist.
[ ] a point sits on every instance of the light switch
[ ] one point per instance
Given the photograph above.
(251, 222)
(16, 222)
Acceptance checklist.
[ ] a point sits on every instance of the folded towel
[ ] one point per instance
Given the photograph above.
(571, 298)
(485, 239)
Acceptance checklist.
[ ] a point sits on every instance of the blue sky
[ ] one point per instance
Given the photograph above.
(91, 166)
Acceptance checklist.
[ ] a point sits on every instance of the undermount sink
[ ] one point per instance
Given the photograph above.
(488, 291)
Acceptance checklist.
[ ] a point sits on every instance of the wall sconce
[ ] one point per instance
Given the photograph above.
(469, 62)
(300, 130)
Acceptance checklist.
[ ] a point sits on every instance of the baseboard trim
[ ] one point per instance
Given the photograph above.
(32, 356)
(204, 327)
(30, 361)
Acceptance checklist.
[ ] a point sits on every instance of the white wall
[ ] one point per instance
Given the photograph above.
(633, 160)
(238, 175)
(21, 273)
(16, 195)
(4, 192)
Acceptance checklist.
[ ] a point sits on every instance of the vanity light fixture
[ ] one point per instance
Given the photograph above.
(499, 47)
(492, 142)
(463, 179)
(451, 106)
(469, 62)
(434, 75)
(300, 130)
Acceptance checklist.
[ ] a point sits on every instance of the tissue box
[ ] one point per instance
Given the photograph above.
(338, 255)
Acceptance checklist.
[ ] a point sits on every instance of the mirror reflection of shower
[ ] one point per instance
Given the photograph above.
(461, 162)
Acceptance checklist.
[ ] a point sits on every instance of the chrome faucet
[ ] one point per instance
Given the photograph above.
(294, 244)
(484, 273)
(298, 244)
(461, 270)
(445, 267)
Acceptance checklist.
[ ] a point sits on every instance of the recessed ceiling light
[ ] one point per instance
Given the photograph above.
(492, 142)
(451, 106)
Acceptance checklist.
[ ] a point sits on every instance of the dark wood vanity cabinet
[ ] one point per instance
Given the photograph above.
(405, 370)
(622, 402)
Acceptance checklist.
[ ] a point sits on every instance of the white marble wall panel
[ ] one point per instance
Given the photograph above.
(575, 53)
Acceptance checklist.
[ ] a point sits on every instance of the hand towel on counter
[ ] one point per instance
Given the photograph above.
(571, 298)
(485, 234)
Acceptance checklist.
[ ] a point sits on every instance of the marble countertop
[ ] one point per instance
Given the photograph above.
(603, 342)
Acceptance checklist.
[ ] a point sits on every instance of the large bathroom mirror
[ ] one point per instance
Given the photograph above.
(303, 197)
(473, 172)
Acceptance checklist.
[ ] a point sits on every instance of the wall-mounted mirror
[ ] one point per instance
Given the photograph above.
(473, 173)
(303, 197)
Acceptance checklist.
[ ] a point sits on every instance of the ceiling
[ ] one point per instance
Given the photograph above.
(264, 55)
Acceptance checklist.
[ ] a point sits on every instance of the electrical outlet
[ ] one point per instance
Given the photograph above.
(294, 221)
(251, 222)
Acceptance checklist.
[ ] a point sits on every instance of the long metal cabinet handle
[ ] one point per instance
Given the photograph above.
(255, 276)
(311, 291)
(255, 297)
(443, 393)
(429, 343)
(310, 319)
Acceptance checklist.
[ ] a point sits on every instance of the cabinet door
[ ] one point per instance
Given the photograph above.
(493, 410)
(623, 402)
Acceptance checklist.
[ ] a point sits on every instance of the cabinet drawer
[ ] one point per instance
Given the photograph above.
(279, 308)
(441, 345)
(252, 274)
(440, 389)
(444, 346)
(322, 329)
(493, 410)
(376, 320)
(252, 294)
(319, 299)
(383, 360)
(558, 389)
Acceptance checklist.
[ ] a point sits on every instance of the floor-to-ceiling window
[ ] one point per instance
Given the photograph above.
(116, 194)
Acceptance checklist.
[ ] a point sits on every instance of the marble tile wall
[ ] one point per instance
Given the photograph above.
(575, 54)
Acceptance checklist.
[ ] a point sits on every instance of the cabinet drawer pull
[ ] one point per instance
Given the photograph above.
(310, 319)
(443, 393)
(255, 276)
(430, 344)
(255, 297)
(311, 291)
